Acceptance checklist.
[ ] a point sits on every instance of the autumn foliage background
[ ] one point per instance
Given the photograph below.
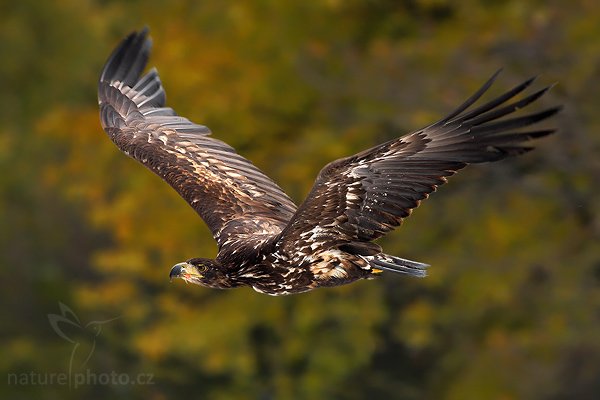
(511, 309)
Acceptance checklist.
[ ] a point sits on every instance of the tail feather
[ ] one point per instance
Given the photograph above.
(397, 264)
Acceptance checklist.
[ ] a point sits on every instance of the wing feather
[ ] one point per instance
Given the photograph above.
(237, 201)
(361, 198)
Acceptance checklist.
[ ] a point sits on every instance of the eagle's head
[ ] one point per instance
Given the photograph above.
(202, 271)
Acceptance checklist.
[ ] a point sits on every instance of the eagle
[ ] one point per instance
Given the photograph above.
(267, 242)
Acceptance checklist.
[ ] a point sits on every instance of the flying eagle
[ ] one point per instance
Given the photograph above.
(265, 241)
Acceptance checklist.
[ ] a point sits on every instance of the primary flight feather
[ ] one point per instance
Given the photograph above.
(264, 240)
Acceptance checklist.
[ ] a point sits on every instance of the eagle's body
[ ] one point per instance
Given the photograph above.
(264, 240)
(267, 271)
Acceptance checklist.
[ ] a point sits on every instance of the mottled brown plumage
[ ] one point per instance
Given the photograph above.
(265, 241)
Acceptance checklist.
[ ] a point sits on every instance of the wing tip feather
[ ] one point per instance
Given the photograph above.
(128, 58)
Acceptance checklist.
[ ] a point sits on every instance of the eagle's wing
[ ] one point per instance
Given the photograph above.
(360, 198)
(235, 199)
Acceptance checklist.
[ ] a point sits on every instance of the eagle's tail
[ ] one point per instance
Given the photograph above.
(397, 264)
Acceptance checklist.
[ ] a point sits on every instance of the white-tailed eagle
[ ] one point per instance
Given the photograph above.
(264, 240)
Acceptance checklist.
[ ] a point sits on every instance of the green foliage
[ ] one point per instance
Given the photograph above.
(510, 309)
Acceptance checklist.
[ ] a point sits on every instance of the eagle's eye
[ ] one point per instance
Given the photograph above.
(202, 268)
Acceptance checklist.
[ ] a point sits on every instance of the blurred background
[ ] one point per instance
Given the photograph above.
(511, 309)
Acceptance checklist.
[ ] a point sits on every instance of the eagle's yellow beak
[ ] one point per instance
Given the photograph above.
(184, 271)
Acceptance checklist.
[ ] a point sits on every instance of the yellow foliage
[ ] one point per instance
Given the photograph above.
(508, 309)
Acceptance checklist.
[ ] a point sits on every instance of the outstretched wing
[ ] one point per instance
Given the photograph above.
(236, 200)
(360, 198)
